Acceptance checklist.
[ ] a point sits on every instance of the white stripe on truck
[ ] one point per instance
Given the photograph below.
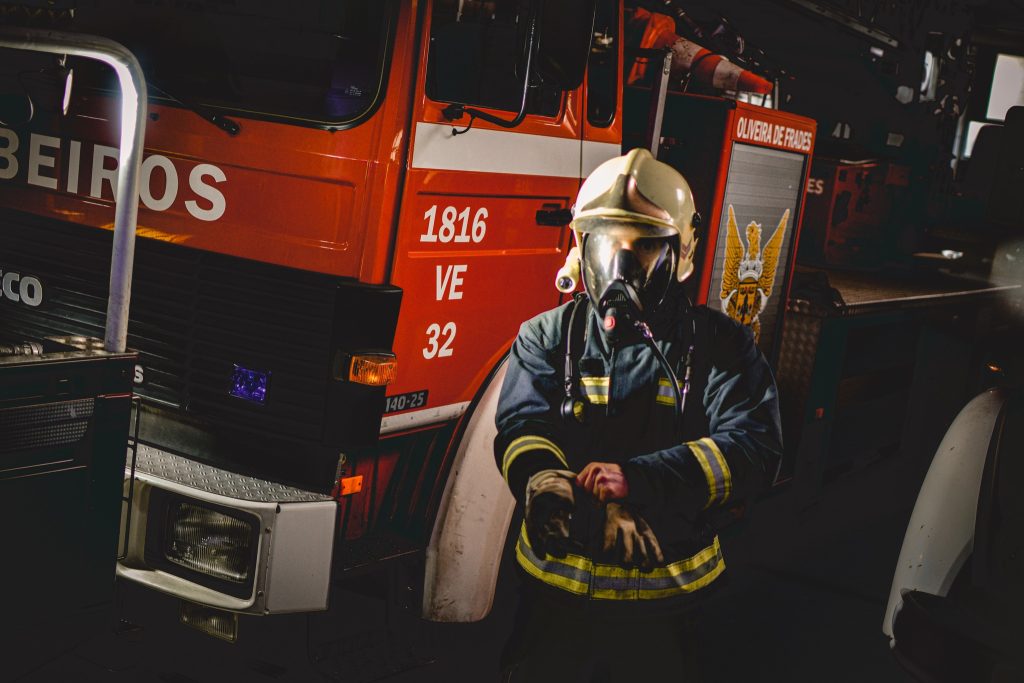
(495, 151)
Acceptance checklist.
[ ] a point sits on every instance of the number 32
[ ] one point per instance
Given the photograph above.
(434, 333)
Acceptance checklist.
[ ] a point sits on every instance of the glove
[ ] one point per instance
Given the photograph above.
(549, 506)
(629, 539)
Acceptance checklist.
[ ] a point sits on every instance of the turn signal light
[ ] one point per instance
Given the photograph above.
(375, 370)
(350, 485)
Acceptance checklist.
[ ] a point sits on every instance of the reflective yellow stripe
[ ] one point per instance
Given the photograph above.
(670, 570)
(582, 576)
(596, 389)
(694, 586)
(664, 394)
(722, 463)
(716, 470)
(529, 443)
(709, 474)
(565, 583)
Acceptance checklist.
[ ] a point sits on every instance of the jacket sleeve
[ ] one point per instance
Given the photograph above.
(527, 417)
(741, 454)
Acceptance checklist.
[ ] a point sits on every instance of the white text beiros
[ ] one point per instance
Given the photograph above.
(38, 165)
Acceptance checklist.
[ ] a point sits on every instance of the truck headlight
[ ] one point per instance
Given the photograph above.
(210, 542)
(225, 540)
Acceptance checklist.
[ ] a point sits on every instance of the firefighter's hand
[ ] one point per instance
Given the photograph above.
(604, 480)
(549, 506)
(629, 540)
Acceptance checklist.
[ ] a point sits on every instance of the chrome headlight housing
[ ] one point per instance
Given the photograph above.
(224, 540)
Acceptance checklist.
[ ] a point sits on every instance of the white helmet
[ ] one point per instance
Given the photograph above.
(634, 222)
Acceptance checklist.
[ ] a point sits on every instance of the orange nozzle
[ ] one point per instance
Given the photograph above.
(751, 82)
(718, 72)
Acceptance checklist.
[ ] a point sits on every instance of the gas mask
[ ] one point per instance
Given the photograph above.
(626, 272)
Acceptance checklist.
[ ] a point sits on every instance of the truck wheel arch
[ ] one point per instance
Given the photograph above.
(465, 549)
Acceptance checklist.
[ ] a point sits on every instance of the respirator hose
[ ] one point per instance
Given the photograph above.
(673, 380)
(621, 301)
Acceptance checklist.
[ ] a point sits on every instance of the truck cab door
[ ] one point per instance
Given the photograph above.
(475, 254)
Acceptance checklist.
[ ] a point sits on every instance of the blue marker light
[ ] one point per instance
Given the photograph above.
(250, 384)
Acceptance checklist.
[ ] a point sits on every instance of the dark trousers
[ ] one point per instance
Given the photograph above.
(556, 641)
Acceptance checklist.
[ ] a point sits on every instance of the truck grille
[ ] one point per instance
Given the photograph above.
(194, 315)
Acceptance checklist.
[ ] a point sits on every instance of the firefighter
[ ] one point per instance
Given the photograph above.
(619, 471)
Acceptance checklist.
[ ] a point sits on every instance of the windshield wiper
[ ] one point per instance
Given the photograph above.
(229, 126)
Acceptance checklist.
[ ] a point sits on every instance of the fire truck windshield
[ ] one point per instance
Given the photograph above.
(312, 62)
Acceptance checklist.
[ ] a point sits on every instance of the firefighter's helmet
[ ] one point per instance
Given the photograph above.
(634, 221)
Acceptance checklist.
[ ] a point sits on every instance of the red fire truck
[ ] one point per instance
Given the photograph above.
(346, 211)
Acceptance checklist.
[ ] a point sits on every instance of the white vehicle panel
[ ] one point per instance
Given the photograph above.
(940, 535)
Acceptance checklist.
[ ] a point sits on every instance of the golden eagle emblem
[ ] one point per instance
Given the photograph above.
(749, 275)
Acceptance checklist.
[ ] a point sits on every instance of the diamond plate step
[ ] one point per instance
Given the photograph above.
(181, 470)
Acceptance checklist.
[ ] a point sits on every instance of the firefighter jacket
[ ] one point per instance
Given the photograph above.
(726, 449)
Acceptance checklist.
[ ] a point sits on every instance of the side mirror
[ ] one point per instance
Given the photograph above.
(565, 29)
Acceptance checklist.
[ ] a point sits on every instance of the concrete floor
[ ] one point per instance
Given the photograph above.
(808, 587)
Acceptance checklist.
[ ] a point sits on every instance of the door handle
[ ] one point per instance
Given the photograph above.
(554, 215)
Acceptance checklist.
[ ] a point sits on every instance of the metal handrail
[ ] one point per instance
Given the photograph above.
(133, 133)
